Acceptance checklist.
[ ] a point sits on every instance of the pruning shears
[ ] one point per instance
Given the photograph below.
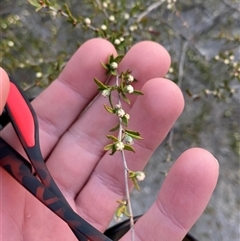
(20, 113)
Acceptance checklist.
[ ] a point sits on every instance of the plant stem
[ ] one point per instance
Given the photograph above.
(126, 171)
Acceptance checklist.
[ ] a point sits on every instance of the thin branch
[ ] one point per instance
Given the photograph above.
(149, 9)
(126, 170)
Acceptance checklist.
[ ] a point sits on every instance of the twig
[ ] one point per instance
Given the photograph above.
(149, 9)
(126, 170)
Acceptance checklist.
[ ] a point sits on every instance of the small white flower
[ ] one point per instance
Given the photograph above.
(112, 18)
(104, 27)
(106, 92)
(126, 16)
(114, 65)
(117, 107)
(127, 116)
(121, 39)
(169, 6)
(130, 78)
(170, 70)
(117, 41)
(10, 43)
(231, 57)
(87, 21)
(38, 74)
(119, 146)
(105, 4)
(129, 89)
(226, 61)
(140, 176)
(120, 112)
(133, 28)
(217, 57)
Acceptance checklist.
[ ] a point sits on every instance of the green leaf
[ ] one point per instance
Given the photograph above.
(137, 92)
(113, 138)
(125, 120)
(136, 133)
(135, 137)
(109, 109)
(128, 148)
(100, 84)
(135, 183)
(109, 147)
(119, 58)
(125, 98)
(105, 66)
(35, 3)
(115, 128)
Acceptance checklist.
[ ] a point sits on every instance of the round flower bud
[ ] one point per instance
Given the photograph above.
(140, 176)
(104, 27)
(114, 65)
(117, 41)
(129, 89)
(117, 106)
(119, 146)
(127, 116)
(87, 21)
(130, 78)
(106, 92)
(129, 140)
(112, 18)
(120, 112)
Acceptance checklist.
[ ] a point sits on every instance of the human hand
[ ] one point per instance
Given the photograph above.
(4, 88)
(72, 143)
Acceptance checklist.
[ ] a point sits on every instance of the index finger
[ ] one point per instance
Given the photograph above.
(4, 88)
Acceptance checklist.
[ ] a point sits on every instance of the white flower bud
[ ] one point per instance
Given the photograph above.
(127, 116)
(226, 61)
(120, 112)
(129, 140)
(105, 4)
(87, 21)
(112, 18)
(38, 74)
(119, 146)
(126, 16)
(121, 39)
(117, 41)
(106, 92)
(114, 65)
(129, 89)
(117, 106)
(130, 78)
(104, 27)
(140, 176)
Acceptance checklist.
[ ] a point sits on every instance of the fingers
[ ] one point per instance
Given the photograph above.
(153, 116)
(61, 103)
(182, 199)
(4, 88)
(82, 145)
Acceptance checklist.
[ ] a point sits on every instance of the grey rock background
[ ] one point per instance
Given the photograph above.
(204, 123)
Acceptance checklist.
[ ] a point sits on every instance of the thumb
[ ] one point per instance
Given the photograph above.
(4, 88)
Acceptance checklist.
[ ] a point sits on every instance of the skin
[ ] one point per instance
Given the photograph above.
(90, 179)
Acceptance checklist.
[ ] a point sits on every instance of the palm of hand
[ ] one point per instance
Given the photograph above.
(92, 181)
